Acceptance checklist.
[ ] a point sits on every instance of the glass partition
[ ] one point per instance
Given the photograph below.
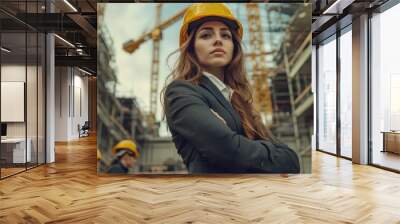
(13, 105)
(22, 63)
(327, 96)
(346, 93)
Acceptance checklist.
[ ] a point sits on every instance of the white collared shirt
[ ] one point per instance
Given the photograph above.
(225, 90)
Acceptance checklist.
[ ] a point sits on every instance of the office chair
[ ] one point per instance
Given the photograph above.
(84, 130)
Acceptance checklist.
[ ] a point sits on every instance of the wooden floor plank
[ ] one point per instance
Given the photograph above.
(70, 191)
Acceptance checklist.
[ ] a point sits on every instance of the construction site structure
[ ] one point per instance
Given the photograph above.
(279, 44)
(159, 155)
(291, 84)
(117, 118)
(121, 118)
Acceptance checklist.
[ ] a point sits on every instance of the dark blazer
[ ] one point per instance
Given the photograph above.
(207, 145)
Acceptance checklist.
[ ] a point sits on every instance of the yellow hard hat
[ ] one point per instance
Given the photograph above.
(199, 11)
(98, 154)
(126, 145)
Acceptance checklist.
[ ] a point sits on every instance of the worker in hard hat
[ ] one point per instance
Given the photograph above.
(125, 154)
(209, 105)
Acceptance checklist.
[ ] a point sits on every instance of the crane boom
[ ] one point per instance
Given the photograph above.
(131, 45)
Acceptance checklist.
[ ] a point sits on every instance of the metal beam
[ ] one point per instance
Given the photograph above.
(84, 24)
(304, 106)
(84, 61)
(300, 61)
(49, 22)
(320, 22)
(338, 6)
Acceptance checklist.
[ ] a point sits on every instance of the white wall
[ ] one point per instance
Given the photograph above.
(12, 73)
(71, 94)
(61, 103)
(81, 103)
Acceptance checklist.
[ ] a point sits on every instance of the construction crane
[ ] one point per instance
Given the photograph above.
(155, 66)
(257, 56)
(156, 35)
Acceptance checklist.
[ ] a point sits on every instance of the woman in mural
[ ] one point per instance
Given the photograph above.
(209, 106)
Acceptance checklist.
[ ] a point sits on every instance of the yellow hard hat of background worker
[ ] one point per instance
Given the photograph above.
(126, 144)
(199, 11)
(98, 154)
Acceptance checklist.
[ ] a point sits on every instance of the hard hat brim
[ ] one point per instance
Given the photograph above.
(122, 152)
(196, 22)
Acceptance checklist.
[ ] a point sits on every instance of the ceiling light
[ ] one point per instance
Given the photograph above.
(5, 49)
(64, 40)
(338, 6)
(70, 5)
(86, 72)
(79, 51)
(329, 9)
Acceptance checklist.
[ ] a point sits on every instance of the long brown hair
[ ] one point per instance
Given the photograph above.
(188, 68)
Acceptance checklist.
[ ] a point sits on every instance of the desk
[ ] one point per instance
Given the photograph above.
(15, 148)
(391, 141)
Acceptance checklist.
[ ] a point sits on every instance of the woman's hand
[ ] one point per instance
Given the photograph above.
(217, 115)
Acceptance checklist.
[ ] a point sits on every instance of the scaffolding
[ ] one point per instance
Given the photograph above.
(118, 118)
(280, 64)
(292, 82)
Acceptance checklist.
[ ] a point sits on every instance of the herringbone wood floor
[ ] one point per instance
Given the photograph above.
(70, 191)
